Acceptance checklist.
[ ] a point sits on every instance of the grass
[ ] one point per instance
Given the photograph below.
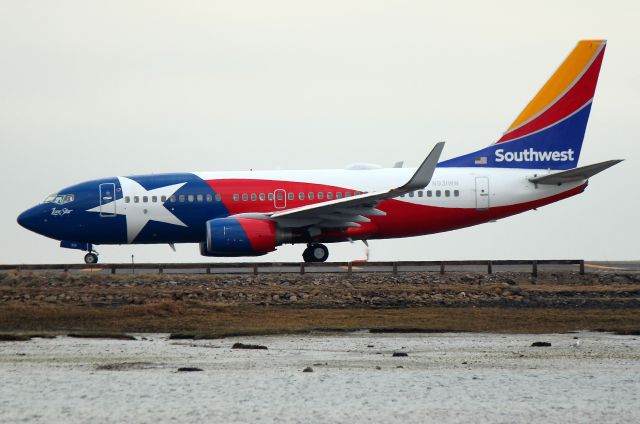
(217, 322)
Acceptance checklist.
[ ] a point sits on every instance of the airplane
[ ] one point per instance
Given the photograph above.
(251, 213)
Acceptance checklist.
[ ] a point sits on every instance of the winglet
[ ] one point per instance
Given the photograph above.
(423, 175)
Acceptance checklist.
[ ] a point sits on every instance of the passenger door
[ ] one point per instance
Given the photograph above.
(279, 198)
(107, 199)
(482, 193)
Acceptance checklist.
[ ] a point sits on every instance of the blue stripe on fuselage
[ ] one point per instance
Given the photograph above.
(194, 214)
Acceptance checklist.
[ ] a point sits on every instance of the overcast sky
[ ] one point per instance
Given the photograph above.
(95, 89)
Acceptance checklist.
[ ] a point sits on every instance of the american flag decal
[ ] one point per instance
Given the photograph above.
(482, 160)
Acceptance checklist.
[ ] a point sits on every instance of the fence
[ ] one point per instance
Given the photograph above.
(256, 268)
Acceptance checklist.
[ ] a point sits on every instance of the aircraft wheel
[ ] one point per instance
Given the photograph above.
(315, 253)
(91, 258)
(305, 255)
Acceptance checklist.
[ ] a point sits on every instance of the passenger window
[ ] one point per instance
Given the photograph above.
(338, 195)
(136, 199)
(447, 193)
(127, 199)
(154, 199)
(411, 194)
(456, 193)
(261, 197)
(253, 197)
(218, 198)
(329, 195)
(420, 193)
(172, 199)
(209, 198)
(347, 194)
(245, 197)
(236, 197)
(320, 195)
(310, 195)
(181, 198)
(438, 193)
(270, 196)
(429, 193)
(145, 199)
(301, 196)
(290, 196)
(199, 198)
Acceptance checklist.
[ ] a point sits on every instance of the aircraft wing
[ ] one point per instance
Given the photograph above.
(577, 174)
(350, 211)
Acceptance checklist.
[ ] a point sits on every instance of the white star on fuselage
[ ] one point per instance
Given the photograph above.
(138, 214)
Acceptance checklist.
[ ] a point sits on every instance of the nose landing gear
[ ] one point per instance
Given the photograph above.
(315, 253)
(91, 258)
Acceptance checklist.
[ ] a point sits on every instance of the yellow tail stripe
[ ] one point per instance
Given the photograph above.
(562, 79)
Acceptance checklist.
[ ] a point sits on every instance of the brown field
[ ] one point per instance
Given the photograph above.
(232, 320)
(216, 306)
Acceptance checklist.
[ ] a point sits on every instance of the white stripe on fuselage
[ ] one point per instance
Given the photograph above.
(506, 186)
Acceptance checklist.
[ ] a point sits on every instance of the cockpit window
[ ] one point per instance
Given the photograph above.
(59, 199)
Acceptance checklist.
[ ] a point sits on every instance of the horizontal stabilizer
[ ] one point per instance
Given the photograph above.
(577, 174)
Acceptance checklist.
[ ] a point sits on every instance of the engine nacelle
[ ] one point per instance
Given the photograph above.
(239, 237)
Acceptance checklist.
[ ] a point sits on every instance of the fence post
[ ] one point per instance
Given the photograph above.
(66, 268)
(301, 268)
(208, 269)
(255, 269)
(534, 271)
(489, 267)
(113, 269)
(442, 267)
(160, 269)
(582, 267)
(349, 268)
(395, 267)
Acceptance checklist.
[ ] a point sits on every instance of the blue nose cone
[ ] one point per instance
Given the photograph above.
(30, 218)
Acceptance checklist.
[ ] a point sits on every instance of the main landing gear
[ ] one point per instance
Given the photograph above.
(90, 258)
(315, 253)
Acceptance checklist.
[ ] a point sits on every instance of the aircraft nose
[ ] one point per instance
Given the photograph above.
(28, 218)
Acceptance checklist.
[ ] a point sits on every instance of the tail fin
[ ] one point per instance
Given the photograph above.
(548, 133)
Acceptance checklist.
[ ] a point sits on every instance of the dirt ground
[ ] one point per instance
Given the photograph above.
(219, 305)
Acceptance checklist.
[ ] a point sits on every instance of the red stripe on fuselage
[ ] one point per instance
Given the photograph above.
(227, 188)
(403, 219)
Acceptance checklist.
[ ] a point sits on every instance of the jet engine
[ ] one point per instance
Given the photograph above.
(240, 237)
